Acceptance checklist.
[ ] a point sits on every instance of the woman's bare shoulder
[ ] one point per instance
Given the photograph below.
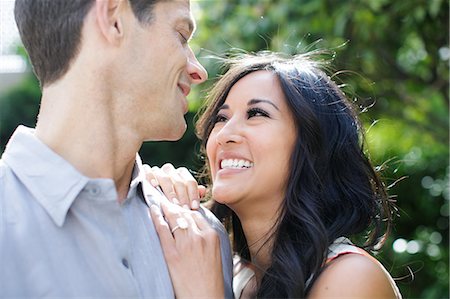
(354, 276)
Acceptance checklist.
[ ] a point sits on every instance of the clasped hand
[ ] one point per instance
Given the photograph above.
(191, 246)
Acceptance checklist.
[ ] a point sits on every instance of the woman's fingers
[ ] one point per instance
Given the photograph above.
(191, 186)
(201, 222)
(201, 191)
(150, 176)
(160, 179)
(179, 185)
(163, 230)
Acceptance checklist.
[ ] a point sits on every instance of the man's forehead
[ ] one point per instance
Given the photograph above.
(187, 15)
(184, 3)
(175, 12)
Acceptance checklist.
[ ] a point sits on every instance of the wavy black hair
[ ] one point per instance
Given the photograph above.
(332, 189)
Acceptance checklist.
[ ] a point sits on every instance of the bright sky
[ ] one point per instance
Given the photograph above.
(9, 38)
(8, 29)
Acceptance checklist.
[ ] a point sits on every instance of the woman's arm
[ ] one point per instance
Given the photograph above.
(354, 276)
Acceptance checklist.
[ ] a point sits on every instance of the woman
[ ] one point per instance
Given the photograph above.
(291, 182)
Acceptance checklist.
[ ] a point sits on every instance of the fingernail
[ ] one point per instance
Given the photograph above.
(175, 201)
(186, 207)
(195, 205)
(154, 182)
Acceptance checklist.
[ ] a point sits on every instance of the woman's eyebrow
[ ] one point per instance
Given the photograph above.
(223, 107)
(256, 101)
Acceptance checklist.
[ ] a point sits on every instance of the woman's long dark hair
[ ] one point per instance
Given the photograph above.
(332, 190)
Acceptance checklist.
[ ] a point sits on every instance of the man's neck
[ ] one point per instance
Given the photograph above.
(83, 130)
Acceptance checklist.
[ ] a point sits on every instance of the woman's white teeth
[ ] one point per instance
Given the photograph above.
(235, 163)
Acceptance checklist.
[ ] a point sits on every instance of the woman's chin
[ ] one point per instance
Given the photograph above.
(231, 200)
(219, 199)
(222, 195)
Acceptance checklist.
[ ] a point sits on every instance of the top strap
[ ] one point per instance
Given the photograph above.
(341, 246)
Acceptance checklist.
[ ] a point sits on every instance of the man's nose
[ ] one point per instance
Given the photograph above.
(197, 73)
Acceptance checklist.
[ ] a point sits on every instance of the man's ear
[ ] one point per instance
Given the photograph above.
(108, 15)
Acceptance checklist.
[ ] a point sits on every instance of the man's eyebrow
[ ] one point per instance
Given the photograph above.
(256, 101)
(190, 23)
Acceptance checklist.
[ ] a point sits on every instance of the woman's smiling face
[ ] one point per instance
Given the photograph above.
(250, 146)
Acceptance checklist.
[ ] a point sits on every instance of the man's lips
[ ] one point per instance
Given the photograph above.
(185, 88)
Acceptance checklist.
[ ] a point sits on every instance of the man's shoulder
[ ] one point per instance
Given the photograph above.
(212, 219)
(3, 173)
(3, 170)
(2, 167)
(225, 249)
(7, 176)
(14, 195)
(8, 186)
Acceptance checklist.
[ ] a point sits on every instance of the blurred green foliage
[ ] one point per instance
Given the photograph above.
(390, 55)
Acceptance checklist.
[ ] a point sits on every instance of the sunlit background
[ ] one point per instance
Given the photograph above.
(396, 56)
(12, 66)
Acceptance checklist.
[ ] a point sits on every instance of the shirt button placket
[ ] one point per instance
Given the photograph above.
(95, 190)
(125, 263)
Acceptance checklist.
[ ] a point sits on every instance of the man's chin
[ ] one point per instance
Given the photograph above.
(174, 134)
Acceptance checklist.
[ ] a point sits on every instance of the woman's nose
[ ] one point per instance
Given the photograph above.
(230, 133)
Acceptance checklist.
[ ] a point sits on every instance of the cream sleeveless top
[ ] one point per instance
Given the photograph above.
(342, 245)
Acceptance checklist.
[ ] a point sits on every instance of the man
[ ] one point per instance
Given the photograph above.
(74, 202)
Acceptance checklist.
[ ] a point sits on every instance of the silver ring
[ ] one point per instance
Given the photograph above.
(181, 224)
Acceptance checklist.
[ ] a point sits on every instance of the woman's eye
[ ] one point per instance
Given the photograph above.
(257, 112)
(219, 118)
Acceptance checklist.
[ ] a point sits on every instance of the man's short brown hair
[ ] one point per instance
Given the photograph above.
(51, 31)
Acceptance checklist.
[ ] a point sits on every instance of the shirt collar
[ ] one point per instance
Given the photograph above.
(139, 182)
(53, 181)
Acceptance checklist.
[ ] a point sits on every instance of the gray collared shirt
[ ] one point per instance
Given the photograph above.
(65, 235)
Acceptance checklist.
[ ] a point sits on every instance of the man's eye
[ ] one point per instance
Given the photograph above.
(183, 38)
(257, 112)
